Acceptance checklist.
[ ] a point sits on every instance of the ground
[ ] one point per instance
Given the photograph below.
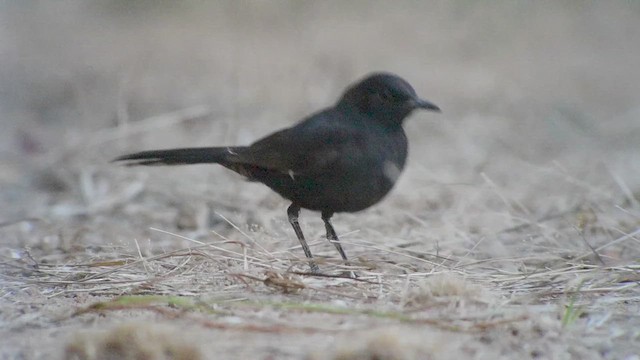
(513, 233)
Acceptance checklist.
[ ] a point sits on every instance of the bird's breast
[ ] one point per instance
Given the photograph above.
(367, 174)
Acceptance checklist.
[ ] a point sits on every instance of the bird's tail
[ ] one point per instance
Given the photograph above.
(203, 155)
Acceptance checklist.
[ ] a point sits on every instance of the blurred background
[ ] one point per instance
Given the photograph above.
(527, 184)
(541, 108)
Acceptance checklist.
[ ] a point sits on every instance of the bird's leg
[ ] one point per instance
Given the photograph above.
(293, 212)
(333, 238)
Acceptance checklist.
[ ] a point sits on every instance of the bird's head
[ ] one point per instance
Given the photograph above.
(385, 97)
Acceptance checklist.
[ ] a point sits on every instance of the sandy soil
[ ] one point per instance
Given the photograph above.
(513, 233)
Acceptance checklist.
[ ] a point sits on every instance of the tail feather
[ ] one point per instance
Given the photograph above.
(204, 155)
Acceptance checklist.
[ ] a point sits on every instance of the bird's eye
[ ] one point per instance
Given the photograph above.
(386, 95)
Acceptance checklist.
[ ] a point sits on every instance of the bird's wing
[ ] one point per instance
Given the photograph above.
(299, 151)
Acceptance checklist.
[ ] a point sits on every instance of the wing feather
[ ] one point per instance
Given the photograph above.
(300, 150)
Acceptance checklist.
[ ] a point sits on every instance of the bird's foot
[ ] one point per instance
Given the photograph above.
(350, 274)
(314, 267)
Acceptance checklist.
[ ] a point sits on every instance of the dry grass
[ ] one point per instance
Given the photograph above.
(513, 234)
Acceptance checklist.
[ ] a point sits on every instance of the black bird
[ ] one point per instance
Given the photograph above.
(342, 159)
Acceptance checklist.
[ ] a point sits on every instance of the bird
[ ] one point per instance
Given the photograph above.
(344, 158)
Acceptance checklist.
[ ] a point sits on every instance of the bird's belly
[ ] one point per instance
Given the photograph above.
(340, 189)
(351, 194)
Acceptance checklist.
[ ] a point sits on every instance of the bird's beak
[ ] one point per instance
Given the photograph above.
(424, 104)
